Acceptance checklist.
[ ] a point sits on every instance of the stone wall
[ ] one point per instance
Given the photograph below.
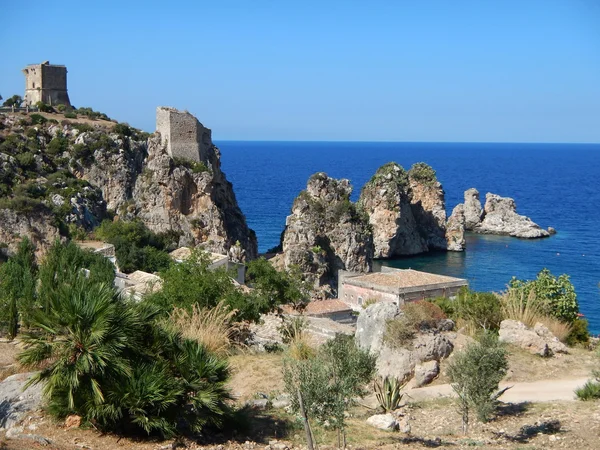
(184, 136)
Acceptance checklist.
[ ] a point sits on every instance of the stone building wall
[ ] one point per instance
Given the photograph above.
(46, 83)
(183, 134)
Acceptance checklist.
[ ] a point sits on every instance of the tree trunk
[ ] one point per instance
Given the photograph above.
(307, 430)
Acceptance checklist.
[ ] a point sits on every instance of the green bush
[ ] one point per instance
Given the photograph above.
(81, 152)
(123, 129)
(480, 310)
(61, 108)
(556, 294)
(589, 391)
(416, 316)
(15, 100)
(70, 115)
(37, 119)
(475, 374)
(58, 145)
(422, 173)
(26, 160)
(579, 333)
(110, 362)
(43, 107)
(194, 166)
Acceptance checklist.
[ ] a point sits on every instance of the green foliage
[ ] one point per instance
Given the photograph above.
(70, 115)
(292, 329)
(64, 263)
(191, 282)
(276, 287)
(58, 145)
(416, 316)
(17, 287)
(111, 363)
(388, 392)
(26, 160)
(15, 101)
(579, 333)
(123, 129)
(43, 107)
(328, 383)
(91, 114)
(480, 310)
(556, 294)
(475, 374)
(422, 173)
(37, 119)
(194, 166)
(589, 391)
(61, 108)
(136, 247)
(22, 204)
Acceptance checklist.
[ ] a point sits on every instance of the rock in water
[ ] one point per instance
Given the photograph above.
(428, 205)
(325, 232)
(500, 217)
(455, 229)
(386, 199)
(472, 208)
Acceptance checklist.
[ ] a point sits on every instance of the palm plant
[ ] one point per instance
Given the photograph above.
(81, 343)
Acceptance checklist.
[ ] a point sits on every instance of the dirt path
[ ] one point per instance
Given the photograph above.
(535, 391)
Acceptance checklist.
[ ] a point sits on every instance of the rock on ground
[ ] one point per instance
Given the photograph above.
(371, 323)
(425, 373)
(383, 422)
(538, 341)
(15, 402)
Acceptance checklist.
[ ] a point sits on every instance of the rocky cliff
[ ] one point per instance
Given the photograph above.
(428, 205)
(498, 216)
(78, 171)
(326, 232)
(406, 210)
(455, 229)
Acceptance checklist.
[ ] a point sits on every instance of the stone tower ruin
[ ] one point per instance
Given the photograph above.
(46, 83)
(184, 136)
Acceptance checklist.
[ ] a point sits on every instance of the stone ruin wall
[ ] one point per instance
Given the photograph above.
(184, 136)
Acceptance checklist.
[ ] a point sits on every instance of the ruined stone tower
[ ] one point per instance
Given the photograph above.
(46, 83)
(184, 136)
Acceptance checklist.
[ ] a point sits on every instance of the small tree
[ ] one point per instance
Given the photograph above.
(475, 374)
(15, 101)
(324, 387)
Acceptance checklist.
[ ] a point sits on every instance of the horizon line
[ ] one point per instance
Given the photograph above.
(404, 142)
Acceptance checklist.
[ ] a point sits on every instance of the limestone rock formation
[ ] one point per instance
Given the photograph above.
(384, 422)
(18, 401)
(35, 225)
(499, 216)
(430, 345)
(325, 231)
(195, 201)
(473, 209)
(387, 201)
(428, 205)
(425, 373)
(539, 340)
(455, 229)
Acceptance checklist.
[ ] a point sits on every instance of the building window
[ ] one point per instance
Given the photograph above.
(33, 85)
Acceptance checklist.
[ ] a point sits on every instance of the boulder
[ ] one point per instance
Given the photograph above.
(455, 229)
(472, 209)
(538, 341)
(383, 422)
(396, 362)
(16, 401)
(431, 346)
(426, 372)
(371, 325)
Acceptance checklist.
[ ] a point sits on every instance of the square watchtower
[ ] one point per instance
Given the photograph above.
(184, 136)
(46, 83)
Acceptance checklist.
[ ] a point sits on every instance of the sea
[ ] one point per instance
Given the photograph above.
(554, 184)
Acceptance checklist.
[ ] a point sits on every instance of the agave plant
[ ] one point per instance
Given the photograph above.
(388, 392)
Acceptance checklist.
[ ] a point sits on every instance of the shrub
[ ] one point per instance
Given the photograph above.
(556, 294)
(110, 363)
(579, 333)
(475, 374)
(194, 166)
(589, 391)
(480, 310)
(210, 327)
(61, 108)
(58, 145)
(26, 160)
(123, 129)
(37, 119)
(15, 101)
(81, 152)
(70, 115)
(43, 107)
(422, 173)
(293, 329)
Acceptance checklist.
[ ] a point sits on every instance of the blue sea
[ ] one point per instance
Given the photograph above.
(555, 184)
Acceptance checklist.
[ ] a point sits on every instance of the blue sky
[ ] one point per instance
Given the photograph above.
(450, 70)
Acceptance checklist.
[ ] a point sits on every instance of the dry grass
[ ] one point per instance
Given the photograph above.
(211, 327)
(529, 311)
(255, 372)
